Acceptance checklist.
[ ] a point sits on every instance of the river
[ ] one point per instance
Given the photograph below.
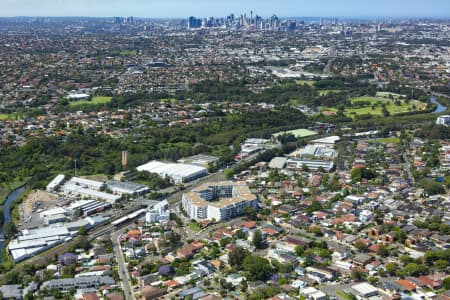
(440, 108)
(7, 211)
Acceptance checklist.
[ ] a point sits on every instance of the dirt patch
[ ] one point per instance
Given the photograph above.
(36, 199)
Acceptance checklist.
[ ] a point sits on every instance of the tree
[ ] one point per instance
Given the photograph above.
(446, 283)
(406, 259)
(183, 268)
(315, 206)
(9, 229)
(358, 275)
(236, 256)
(228, 173)
(359, 173)
(206, 282)
(360, 245)
(413, 269)
(244, 285)
(257, 267)
(299, 250)
(250, 212)
(372, 280)
(82, 243)
(383, 251)
(82, 231)
(432, 187)
(225, 241)
(241, 234)
(258, 241)
(391, 268)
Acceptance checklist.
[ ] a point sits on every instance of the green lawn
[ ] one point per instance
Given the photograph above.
(394, 140)
(95, 100)
(168, 100)
(342, 295)
(326, 92)
(128, 53)
(9, 117)
(386, 95)
(308, 82)
(298, 133)
(374, 107)
(194, 227)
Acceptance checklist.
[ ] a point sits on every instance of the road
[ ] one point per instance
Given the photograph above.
(408, 168)
(121, 267)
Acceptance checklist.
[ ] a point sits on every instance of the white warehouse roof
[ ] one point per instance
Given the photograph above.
(55, 182)
(365, 288)
(87, 182)
(178, 172)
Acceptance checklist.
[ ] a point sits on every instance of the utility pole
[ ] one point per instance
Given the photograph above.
(75, 167)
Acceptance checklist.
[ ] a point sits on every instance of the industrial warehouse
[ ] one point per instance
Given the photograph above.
(92, 189)
(81, 203)
(33, 241)
(218, 201)
(177, 172)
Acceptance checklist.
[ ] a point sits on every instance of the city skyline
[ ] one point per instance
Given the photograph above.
(203, 8)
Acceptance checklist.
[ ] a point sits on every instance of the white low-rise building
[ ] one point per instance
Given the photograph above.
(55, 183)
(74, 189)
(158, 213)
(443, 120)
(365, 290)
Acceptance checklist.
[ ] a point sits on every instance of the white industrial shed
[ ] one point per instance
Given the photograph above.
(179, 173)
(55, 183)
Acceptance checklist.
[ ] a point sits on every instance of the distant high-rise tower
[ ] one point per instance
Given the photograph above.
(193, 22)
(124, 158)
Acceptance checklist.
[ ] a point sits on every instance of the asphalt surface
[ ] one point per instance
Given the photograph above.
(121, 267)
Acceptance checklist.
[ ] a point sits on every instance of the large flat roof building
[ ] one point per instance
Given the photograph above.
(218, 200)
(32, 242)
(73, 189)
(127, 188)
(179, 173)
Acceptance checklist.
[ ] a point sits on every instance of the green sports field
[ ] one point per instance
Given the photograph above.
(298, 133)
(374, 106)
(9, 117)
(95, 100)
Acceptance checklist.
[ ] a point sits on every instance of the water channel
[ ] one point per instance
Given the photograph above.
(7, 212)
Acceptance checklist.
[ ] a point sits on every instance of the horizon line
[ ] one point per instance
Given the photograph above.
(284, 17)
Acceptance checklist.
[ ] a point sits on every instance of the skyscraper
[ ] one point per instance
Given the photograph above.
(193, 22)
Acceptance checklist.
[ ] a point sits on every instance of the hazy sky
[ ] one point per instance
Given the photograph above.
(202, 8)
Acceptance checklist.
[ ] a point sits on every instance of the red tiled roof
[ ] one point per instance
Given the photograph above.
(171, 283)
(406, 284)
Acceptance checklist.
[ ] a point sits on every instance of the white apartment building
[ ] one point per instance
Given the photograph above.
(218, 200)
